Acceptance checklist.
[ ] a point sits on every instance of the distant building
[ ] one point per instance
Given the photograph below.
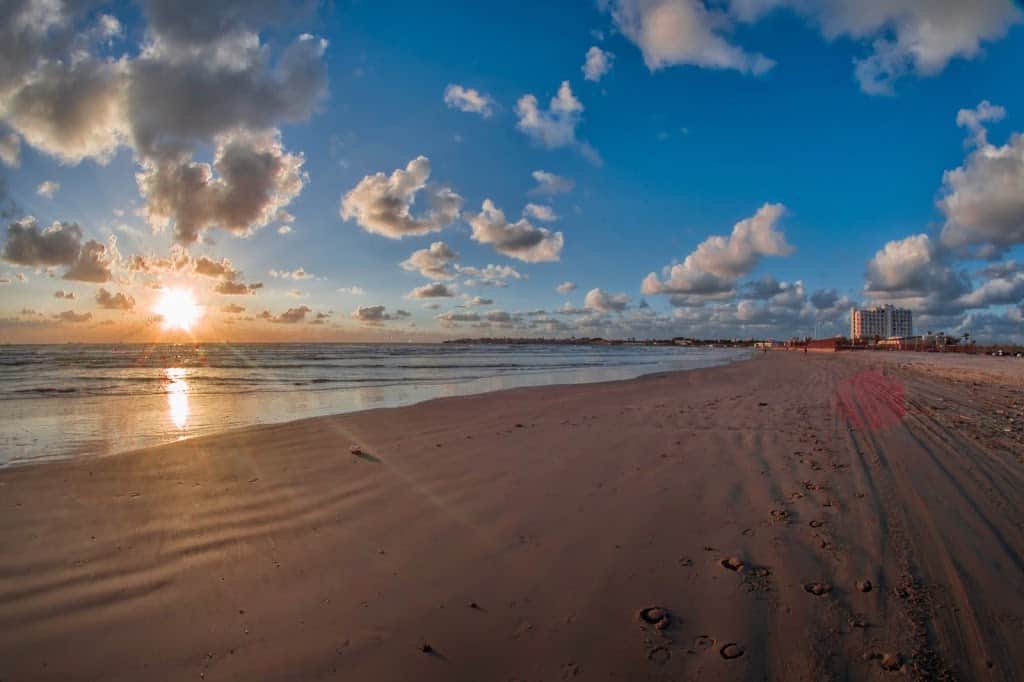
(881, 321)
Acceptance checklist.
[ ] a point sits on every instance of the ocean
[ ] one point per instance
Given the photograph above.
(63, 401)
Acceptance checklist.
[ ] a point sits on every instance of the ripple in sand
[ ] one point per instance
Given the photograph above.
(818, 589)
(731, 650)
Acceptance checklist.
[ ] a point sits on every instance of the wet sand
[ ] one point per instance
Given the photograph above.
(790, 517)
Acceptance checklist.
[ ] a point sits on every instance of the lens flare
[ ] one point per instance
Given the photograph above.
(178, 309)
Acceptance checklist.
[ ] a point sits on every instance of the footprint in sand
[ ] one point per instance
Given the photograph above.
(864, 585)
(818, 589)
(731, 650)
(657, 616)
(816, 523)
(685, 562)
(732, 563)
(780, 515)
(703, 643)
(659, 655)
(890, 662)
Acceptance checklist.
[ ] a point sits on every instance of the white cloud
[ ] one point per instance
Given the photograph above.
(297, 274)
(975, 119)
(604, 302)
(382, 204)
(48, 189)
(540, 212)
(556, 126)
(1004, 290)
(903, 36)
(491, 275)
(912, 272)
(714, 267)
(551, 184)
(434, 290)
(468, 100)
(479, 300)
(284, 229)
(519, 240)
(983, 199)
(597, 64)
(352, 291)
(565, 287)
(670, 32)
(433, 262)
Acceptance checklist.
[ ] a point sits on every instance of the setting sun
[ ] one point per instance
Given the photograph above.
(178, 309)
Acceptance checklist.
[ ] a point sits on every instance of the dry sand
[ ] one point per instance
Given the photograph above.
(791, 517)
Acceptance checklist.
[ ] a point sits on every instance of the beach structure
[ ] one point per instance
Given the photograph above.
(884, 322)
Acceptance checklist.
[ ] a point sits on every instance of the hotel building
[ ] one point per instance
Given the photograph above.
(881, 321)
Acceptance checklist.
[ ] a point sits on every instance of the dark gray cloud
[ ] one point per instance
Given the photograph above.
(230, 287)
(178, 98)
(824, 298)
(114, 301)
(72, 316)
(92, 265)
(252, 177)
(290, 316)
(376, 314)
(31, 246)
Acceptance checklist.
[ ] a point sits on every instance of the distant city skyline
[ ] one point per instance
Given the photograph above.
(623, 168)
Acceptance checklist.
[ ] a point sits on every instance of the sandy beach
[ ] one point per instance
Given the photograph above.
(789, 517)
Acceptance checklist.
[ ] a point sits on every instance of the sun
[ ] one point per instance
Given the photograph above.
(178, 309)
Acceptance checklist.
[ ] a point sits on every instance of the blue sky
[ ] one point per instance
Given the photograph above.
(706, 114)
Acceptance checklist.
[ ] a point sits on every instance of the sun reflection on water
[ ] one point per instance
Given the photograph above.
(177, 395)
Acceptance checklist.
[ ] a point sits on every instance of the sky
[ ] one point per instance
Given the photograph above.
(264, 170)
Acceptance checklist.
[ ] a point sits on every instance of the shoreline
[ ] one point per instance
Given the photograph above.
(521, 533)
(403, 394)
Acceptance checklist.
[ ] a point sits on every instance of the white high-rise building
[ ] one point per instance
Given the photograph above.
(884, 322)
